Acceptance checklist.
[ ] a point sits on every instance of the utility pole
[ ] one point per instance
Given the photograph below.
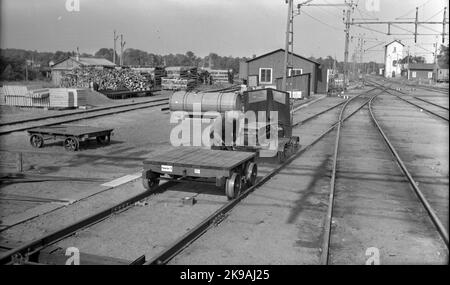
(287, 43)
(347, 13)
(443, 25)
(115, 40)
(122, 45)
(415, 24)
(409, 60)
(361, 53)
(435, 53)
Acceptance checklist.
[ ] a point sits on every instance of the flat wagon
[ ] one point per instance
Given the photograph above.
(72, 135)
(232, 171)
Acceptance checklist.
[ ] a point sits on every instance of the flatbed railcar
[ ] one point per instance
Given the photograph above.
(72, 135)
(232, 171)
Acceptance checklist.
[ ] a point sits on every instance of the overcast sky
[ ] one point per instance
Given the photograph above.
(226, 27)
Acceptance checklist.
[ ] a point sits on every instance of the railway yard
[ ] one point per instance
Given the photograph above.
(370, 177)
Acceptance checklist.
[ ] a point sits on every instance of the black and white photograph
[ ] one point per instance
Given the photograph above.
(233, 134)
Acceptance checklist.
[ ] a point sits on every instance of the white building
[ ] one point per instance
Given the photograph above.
(393, 54)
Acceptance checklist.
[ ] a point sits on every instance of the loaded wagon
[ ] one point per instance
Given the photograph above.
(72, 135)
(232, 171)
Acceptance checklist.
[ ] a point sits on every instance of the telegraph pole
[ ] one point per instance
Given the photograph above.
(122, 45)
(115, 40)
(288, 33)
(415, 24)
(347, 40)
(443, 25)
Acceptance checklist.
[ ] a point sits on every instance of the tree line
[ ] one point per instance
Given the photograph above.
(15, 64)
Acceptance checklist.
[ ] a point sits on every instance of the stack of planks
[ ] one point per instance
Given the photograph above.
(180, 78)
(177, 84)
(67, 97)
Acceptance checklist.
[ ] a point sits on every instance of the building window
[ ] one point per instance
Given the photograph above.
(430, 74)
(395, 49)
(265, 75)
(413, 75)
(295, 71)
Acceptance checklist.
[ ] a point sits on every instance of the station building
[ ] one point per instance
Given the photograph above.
(267, 71)
(421, 71)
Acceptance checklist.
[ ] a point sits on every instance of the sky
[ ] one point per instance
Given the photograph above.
(226, 27)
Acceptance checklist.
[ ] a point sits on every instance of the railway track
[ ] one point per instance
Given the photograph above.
(28, 251)
(437, 222)
(429, 88)
(173, 250)
(181, 244)
(342, 189)
(434, 109)
(21, 125)
(31, 249)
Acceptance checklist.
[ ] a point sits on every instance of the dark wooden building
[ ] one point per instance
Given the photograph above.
(267, 69)
(421, 71)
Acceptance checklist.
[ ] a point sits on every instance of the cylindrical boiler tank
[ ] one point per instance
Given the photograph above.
(215, 101)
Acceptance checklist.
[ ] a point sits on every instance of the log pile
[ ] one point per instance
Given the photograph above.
(106, 79)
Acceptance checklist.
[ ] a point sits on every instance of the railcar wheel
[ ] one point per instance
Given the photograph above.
(150, 180)
(103, 140)
(71, 144)
(251, 172)
(281, 155)
(37, 141)
(233, 186)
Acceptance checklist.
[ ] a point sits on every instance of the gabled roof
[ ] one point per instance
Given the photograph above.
(394, 42)
(94, 61)
(88, 61)
(282, 50)
(422, 66)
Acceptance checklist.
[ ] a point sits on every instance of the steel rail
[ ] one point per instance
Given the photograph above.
(83, 118)
(33, 247)
(431, 103)
(418, 98)
(420, 107)
(329, 217)
(432, 89)
(30, 248)
(388, 90)
(437, 222)
(78, 112)
(316, 115)
(179, 245)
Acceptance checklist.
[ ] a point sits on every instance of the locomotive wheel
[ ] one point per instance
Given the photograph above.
(233, 186)
(251, 172)
(103, 140)
(37, 141)
(150, 180)
(71, 144)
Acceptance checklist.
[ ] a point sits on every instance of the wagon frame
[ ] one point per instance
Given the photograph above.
(233, 171)
(70, 134)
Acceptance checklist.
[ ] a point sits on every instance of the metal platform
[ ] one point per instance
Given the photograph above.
(232, 169)
(71, 134)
